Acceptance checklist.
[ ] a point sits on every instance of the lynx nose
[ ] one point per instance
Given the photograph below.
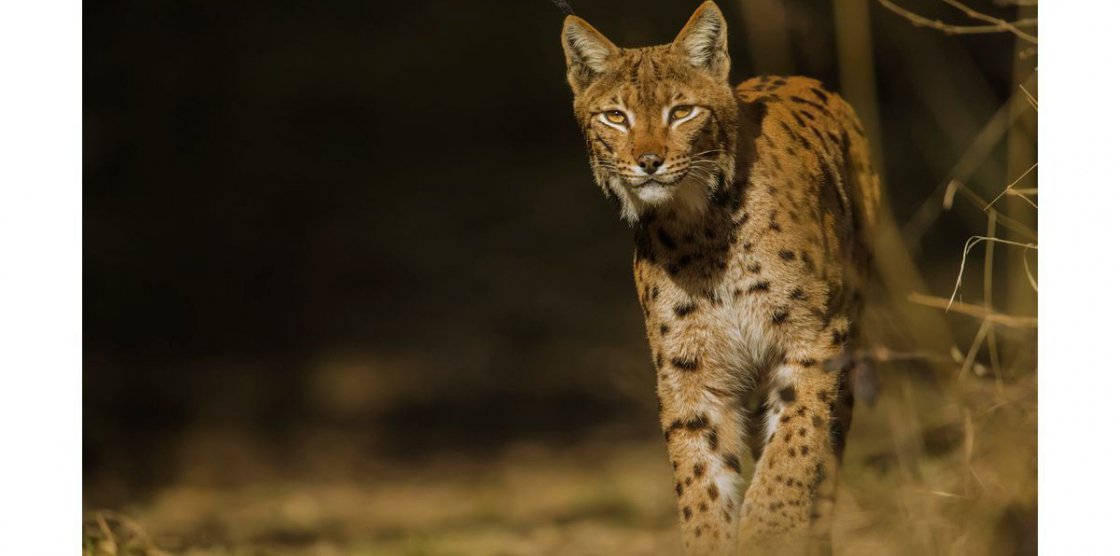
(649, 162)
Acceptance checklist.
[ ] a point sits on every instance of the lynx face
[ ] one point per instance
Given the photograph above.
(659, 121)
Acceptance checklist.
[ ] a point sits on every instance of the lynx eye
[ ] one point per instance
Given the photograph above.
(681, 112)
(615, 117)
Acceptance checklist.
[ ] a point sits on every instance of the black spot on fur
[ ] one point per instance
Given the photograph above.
(759, 287)
(787, 394)
(780, 316)
(713, 298)
(732, 462)
(700, 422)
(786, 255)
(698, 470)
(685, 309)
(798, 294)
(686, 363)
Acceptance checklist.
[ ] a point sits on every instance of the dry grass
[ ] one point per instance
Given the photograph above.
(937, 466)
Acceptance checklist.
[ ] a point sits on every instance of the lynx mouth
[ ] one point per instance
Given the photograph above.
(660, 181)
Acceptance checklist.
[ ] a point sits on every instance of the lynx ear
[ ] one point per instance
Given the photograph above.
(587, 51)
(703, 41)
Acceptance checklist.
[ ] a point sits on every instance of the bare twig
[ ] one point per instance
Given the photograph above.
(971, 310)
(1008, 188)
(1000, 27)
(1021, 195)
(974, 349)
(972, 242)
(989, 263)
(1027, 267)
(1034, 101)
(1010, 27)
(975, 199)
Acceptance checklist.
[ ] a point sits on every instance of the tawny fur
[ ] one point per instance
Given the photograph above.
(751, 254)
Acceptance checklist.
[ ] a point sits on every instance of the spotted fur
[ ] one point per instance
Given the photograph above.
(751, 249)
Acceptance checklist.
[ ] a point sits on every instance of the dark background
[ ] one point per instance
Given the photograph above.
(376, 218)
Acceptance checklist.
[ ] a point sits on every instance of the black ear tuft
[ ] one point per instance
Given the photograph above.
(565, 7)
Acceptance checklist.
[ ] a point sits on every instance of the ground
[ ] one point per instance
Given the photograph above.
(940, 464)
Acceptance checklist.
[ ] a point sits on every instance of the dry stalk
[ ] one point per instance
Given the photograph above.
(1012, 185)
(974, 241)
(976, 311)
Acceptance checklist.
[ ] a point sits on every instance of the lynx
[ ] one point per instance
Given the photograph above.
(753, 208)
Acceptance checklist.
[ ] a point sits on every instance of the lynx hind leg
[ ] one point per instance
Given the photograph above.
(788, 505)
(703, 428)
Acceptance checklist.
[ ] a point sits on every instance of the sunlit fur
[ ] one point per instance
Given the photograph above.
(752, 250)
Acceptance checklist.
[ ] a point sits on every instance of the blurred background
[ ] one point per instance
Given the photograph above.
(350, 289)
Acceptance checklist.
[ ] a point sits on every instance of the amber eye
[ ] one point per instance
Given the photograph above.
(615, 117)
(680, 112)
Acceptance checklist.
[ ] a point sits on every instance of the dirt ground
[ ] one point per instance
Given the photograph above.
(939, 465)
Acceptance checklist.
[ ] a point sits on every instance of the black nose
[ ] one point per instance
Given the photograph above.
(649, 162)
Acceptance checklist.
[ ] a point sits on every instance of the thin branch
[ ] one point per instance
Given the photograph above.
(972, 242)
(1019, 194)
(1009, 27)
(974, 349)
(948, 29)
(975, 311)
(1008, 188)
(1034, 101)
(975, 199)
(1027, 267)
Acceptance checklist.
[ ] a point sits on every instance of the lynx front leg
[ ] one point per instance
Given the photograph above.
(702, 420)
(788, 506)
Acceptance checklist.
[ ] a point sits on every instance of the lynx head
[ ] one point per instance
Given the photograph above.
(659, 121)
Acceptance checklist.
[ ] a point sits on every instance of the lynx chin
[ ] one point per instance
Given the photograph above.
(754, 209)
